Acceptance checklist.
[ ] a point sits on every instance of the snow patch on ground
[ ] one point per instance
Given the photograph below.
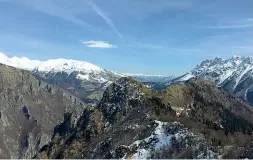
(156, 141)
(162, 137)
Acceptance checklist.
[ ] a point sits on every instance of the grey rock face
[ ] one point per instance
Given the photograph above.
(30, 109)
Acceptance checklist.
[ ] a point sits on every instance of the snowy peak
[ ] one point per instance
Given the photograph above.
(85, 80)
(234, 74)
(219, 69)
(23, 62)
(52, 65)
(68, 66)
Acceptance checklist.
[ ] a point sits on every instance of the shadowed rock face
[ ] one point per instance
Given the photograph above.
(132, 121)
(29, 111)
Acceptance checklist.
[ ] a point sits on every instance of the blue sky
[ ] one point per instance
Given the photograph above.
(134, 36)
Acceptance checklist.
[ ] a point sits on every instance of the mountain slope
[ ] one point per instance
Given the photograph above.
(234, 75)
(30, 109)
(85, 80)
(191, 120)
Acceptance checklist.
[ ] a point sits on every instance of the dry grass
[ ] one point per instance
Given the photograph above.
(97, 117)
(177, 96)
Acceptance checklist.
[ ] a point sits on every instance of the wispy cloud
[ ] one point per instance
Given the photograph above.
(102, 14)
(246, 23)
(244, 49)
(61, 9)
(232, 26)
(98, 44)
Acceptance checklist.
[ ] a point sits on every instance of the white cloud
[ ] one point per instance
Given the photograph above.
(98, 44)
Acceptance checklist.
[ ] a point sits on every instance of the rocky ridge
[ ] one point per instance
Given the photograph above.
(190, 120)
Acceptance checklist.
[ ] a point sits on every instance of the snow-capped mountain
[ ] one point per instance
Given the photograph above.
(84, 70)
(234, 75)
(84, 79)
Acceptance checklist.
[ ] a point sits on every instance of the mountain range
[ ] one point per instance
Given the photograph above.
(74, 109)
(83, 79)
(151, 78)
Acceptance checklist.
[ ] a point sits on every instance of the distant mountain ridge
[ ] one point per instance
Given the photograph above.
(234, 75)
(151, 78)
(85, 80)
(86, 70)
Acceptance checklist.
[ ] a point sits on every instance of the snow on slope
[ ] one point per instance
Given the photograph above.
(85, 70)
(68, 66)
(162, 139)
(222, 70)
(56, 65)
(23, 63)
